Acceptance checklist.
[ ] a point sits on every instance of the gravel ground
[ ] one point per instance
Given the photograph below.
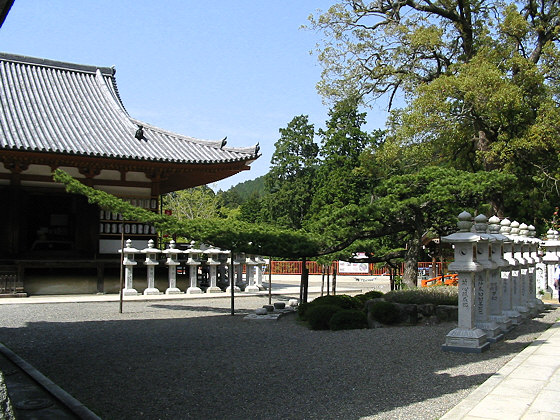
(190, 359)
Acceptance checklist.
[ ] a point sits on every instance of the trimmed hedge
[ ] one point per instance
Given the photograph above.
(348, 319)
(319, 316)
(384, 312)
(437, 295)
(372, 294)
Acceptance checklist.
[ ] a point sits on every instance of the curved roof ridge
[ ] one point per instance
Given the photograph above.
(61, 65)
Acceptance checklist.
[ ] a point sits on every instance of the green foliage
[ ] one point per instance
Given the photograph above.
(342, 301)
(437, 295)
(262, 239)
(372, 294)
(348, 319)
(384, 312)
(319, 316)
(193, 203)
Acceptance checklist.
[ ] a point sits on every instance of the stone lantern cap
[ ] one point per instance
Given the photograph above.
(494, 229)
(259, 260)
(172, 253)
(464, 242)
(172, 250)
(251, 260)
(239, 258)
(551, 246)
(128, 248)
(211, 252)
(150, 249)
(481, 228)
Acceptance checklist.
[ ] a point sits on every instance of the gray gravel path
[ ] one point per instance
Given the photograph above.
(190, 359)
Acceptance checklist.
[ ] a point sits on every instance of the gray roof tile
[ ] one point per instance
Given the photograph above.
(50, 106)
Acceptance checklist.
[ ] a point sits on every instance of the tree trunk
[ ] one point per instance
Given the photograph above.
(412, 255)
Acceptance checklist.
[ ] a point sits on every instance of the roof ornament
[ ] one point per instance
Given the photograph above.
(140, 133)
(257, 148)
(224, 142)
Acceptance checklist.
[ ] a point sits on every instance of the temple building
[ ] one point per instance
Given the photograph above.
(70, 116)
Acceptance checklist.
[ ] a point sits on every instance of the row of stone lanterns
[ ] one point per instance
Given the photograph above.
(216, 262)
(496, 264)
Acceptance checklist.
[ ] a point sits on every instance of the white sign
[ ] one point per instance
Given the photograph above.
(354, 268)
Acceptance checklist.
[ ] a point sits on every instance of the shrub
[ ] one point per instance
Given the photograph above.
(348, 319)
(384, 312)
(302, 309)
(319, 316)
(372, 294)
(437, 295)
(343, 301)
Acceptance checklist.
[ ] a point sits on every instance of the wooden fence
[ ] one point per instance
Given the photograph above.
(295, 268)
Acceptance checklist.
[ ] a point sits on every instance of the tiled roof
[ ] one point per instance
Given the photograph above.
(51, 106)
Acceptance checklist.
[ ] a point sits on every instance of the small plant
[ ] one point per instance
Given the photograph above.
(384, 312)
(348, 319)
(319, 316)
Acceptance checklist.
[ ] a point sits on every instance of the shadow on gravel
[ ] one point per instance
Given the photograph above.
(188, 308)
(200, 365)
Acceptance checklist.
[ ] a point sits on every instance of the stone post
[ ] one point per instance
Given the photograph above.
(496, 281)
(519, 271)
(251, 263)
(213, 263)
(193, 261)
(466, 337)
(551, 259)
(129, 263)
(150, 263)
(172, 263)
(223, 259)
(508, 302)
(482, 281)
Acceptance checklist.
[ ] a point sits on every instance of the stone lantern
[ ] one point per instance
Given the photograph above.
(508, 302)
(213, 263)
(172, 262)
(232, 273)
(534, 244)
(251, 263)
(527, 289)
(238, 264)
(482, 281)
(551, 259)
(519, 271)
(129, 263)
(193, 261)
(466, 337)
(150, 263)
(261, 263)
(496, 281)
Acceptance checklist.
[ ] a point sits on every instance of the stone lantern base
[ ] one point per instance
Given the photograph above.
(214, 289)
(194, 290)
(130, 292)
(466, 340)
(151, 291)
(235, 289)
(172, 291)
(252, 289)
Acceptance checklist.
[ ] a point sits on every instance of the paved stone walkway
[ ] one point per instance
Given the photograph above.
(527, 387)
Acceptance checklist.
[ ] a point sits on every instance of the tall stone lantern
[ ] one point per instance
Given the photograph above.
(496, 281)
(250, 263)
(466, 337)
(528, 272)
(172, 262)
(551, 259)
(483, 281)
(150, 262)
(129, 263)
(213, 264)
(537, 260)
(193, 261)
(508, 304)
(519, 271)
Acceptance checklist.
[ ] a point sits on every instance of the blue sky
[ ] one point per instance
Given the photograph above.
(240, 69)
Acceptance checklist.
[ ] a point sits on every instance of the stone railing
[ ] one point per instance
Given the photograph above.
(496, 262)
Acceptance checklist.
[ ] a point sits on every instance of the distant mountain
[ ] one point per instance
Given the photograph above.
(248, 188)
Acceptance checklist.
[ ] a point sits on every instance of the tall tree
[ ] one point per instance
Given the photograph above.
(479, 78)
(193, 203)
(289, 181)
